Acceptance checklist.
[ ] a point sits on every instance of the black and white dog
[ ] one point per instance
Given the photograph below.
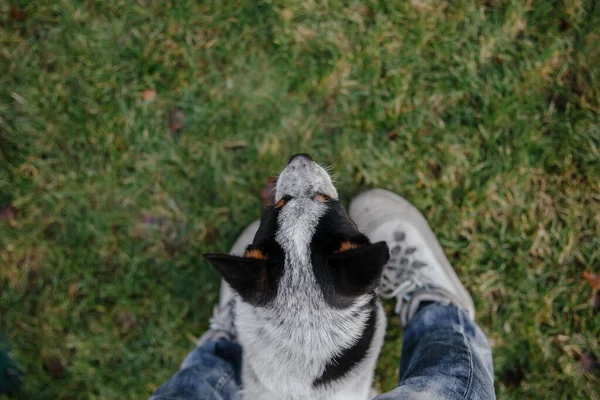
(307, 317)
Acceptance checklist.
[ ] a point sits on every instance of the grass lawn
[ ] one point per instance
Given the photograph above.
(483, 114)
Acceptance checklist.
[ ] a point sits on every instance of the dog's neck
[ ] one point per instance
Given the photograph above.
(288, 348)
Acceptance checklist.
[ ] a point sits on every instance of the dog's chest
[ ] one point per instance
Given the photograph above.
(286, 352)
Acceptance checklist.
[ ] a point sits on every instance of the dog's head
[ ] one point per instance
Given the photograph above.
(306, 243)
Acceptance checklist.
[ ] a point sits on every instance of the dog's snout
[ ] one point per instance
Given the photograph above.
(300, 156)
(303, 178)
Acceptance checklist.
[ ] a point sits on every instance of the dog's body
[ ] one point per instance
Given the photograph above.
(307, 318)
(284, 357)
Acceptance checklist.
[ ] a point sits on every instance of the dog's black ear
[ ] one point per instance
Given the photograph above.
(357, 270)
(253, 277)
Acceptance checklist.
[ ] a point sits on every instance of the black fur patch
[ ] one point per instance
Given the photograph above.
(255, 280)
(334, 227)
(343, 363)
(264, 240)
(332, 271)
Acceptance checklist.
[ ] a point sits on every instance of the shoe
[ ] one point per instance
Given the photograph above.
(222, 321)
(418, 270)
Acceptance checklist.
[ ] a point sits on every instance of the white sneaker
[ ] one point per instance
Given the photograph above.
(222, 321)
(418, 270)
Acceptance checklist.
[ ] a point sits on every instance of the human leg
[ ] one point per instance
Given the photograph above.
(212, 371)
(444, 353)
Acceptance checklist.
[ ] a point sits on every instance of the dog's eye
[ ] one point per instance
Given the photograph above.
(322, 197)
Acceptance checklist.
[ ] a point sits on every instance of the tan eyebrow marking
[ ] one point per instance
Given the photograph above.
(255, 253)
(344, 246)
(280, 203)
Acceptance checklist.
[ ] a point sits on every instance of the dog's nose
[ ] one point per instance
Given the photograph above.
(300, 155)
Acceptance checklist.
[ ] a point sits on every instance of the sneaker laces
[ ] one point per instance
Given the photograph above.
(403, 280)
(401, 275)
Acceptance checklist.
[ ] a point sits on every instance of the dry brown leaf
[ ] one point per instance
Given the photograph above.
(149, 95)
(267, 193)
(176, 119)
(588, 363)
(7, 213)
(17, 14)
(592, 279)
(596, 301)
(72, 290)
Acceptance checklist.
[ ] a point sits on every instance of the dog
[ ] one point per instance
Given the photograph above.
(306, 314)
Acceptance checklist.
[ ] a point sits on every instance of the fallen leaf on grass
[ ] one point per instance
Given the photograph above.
(17, 14)
(592, 279)
(596, 301)
(588, 363)
(176, 118)
(7, 213)
(267, 194)
(149, 95)
(72, 290)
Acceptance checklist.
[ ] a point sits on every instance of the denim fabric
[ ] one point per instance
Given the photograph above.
(210, 372)
(444, 356)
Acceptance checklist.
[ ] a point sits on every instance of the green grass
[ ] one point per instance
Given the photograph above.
(483, 114)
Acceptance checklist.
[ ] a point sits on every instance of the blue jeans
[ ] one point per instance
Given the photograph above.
(444, 356)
